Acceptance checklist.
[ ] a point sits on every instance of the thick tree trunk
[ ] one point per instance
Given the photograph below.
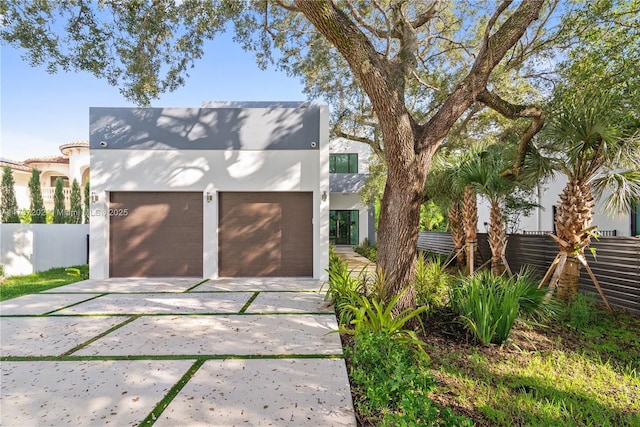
(400, 217)
(398, 239)
(497, 239)
(409, 146)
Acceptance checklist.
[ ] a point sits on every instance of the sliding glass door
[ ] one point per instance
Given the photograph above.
(343, 227)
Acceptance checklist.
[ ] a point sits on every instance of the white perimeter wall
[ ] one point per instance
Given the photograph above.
(541, 219)
(210, 171)
(349, 201)
(30, 248)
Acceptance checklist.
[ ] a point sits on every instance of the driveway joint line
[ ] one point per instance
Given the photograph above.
(249, 302)
(195, 286)
(169, 357)
(74, 304)
(157, 411)
(97, 337)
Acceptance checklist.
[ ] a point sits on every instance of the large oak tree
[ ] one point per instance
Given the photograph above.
(410, 68)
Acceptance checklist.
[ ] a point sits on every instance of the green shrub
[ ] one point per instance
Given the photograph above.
(432, 282)
(374, 315)
(391, 382)
(581, 312)
(367, 251)
(344, 288)
(384, 370)
(489, 305)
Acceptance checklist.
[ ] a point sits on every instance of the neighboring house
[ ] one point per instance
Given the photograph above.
(72, 164)
(542, 219)
(350, 221)
(227, 190)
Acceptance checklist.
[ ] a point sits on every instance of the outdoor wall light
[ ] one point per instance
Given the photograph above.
(324, 196)
(209, 197)
(94, 197)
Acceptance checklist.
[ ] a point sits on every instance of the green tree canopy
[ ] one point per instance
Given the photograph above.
(59, 212)
(399, 74)
(37, 211)
(75, 203)
(86, 202)
(9, 204)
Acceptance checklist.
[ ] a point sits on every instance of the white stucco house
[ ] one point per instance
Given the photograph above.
(226, 190)
(350, 220)
(542, 218)
(72, 163)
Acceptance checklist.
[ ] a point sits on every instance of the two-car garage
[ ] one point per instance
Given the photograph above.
(259, 234)
(230, 189)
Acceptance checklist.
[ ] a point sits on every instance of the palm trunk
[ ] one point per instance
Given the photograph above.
(470, 217)
(573, 227)
(457, 233)
(568, 282)
(497, 239)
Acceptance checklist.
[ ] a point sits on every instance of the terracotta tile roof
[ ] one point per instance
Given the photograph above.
(76, 144)
(47, 159)
(14, 164)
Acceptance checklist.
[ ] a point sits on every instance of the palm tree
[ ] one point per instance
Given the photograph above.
(441, 187)
(597, 146)
(483, 174)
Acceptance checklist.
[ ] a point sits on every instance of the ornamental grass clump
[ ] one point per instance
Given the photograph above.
(489, 305)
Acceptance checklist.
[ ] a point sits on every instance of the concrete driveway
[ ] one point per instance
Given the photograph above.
(251, 352)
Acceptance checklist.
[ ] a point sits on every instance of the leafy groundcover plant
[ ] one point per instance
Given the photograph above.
(489, 305)
(432, 282)
(390, 369)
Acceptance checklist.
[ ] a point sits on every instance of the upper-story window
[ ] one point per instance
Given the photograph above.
(343, 163)
(65, 181)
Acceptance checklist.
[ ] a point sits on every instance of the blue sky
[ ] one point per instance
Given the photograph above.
(41, 111)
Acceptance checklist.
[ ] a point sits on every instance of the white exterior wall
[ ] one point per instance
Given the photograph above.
(210, 171)
(78, 163)
(350, 201)
(21, 188)
(30, 248)
(542, 219)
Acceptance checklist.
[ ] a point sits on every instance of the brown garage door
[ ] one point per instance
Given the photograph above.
(155, 234)
(265, 234)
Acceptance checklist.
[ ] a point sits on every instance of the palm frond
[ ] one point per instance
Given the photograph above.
(624, 187)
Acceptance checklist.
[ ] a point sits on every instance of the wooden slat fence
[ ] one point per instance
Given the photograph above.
(616, 264)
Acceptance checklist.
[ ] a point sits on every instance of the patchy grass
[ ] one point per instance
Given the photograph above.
(544, 375)
(16, 286)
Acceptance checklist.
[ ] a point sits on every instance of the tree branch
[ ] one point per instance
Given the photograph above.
(490, 55)
(375, 31)
(287, 6)
(426, 16)
(513, 112)
(494, 18)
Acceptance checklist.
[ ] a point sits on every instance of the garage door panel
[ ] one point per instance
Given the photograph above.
(160, 236)
(265, 234)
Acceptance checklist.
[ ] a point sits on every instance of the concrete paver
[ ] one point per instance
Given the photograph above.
(220, 335)
(49, 336)
(289, 302)
(35, 304)
(89, 393)
(174, 327)
(277, 392)
(129, 285)
(260, 284)
(219, 302)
